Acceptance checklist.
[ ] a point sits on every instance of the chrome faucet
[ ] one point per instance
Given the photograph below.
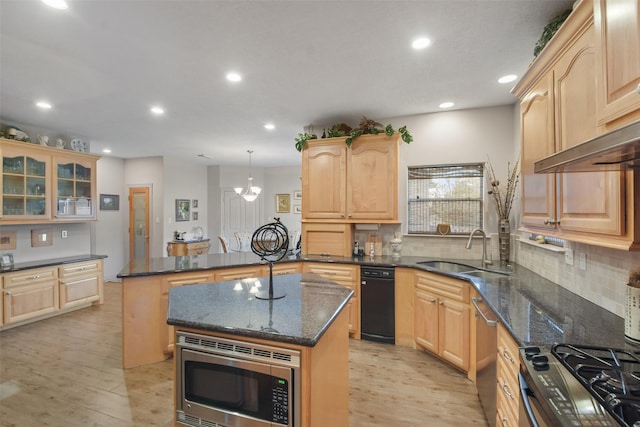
(485, 261)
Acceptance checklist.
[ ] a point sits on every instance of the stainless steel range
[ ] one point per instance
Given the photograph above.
(580, 386)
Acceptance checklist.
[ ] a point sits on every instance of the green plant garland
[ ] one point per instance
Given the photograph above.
(301, 140)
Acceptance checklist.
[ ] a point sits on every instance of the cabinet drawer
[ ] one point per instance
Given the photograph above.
(451, 288)
(508, 388)
(508, 352)
(28, 277)
(286, 268)
(80, 269)
(239, 273)
(333, 271)
(190, 279)
(504, 414)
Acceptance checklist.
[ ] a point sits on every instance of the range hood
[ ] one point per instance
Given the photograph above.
(616, 150)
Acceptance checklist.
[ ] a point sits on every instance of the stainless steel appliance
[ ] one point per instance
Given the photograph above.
(579, 386)
(377, 304)
(228, 383)
(486, 357)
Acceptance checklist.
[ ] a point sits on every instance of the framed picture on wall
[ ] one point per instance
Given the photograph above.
(195, 216)
(297, 195)
(283, 203)
(6, 261)
(183, 210)
(109, 202)
(297, 209)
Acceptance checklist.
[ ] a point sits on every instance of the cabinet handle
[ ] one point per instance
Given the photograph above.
(37, 276)
(638, 88)
(506, 391)
(8, 294)
(504, 422)
(432, 300)
(441, 302)
(507, 356)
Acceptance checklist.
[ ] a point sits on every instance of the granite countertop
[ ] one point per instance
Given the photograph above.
(309, 307)
(50, 262)
(534, 309)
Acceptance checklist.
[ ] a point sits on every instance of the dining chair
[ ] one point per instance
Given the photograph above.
(244, 241)
(224, 243)
(294, 236)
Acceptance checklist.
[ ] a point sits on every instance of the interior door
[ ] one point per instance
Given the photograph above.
(138, 223)
(238, 215)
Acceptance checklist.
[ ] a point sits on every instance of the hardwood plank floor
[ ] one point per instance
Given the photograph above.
(66, 371)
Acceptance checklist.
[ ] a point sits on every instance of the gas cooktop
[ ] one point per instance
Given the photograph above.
(612, 376)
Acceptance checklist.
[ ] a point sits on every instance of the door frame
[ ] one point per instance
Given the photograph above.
(147, 191)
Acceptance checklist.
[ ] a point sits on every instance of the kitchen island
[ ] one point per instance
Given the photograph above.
(309, 320)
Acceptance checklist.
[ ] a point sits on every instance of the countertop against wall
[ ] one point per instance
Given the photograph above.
(537, 311)
(50, 262)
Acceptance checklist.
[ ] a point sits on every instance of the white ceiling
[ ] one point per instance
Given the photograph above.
(103, 64)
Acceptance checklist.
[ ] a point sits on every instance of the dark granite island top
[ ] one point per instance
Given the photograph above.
(310, 306)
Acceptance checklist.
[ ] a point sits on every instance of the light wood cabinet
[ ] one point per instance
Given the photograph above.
(347, 276)
(280, 269)
(442, 317)
(30, 294)
(356, 184)
(176, 248)
(558, 110)
(43, 184)
(239, 273)
(81, 283)
(618, 66)
(327, 238)
(508, 393)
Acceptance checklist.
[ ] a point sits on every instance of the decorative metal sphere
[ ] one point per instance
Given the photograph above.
(271, 241)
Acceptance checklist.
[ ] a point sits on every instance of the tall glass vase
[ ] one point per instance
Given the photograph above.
(504, 239)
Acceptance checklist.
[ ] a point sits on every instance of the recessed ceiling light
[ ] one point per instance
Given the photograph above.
(234, 77)
(157, 110)
(270, 126)
(106, 150)
(44, 105)
(56, 4)
(446, 105)
(421, 43)
(507, 79)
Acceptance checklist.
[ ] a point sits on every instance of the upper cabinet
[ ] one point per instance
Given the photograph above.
(43, 184)
(618, 71)
(356, 184)
(558, 110)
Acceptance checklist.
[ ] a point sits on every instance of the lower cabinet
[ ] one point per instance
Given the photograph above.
(345, 275)
(508, 393)
(81, 283)
(175, 248)
(29, 294)
(442, 317)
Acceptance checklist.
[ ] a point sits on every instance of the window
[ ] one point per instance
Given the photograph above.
(451, 194)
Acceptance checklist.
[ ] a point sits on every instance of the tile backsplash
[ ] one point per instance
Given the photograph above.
(602, 282)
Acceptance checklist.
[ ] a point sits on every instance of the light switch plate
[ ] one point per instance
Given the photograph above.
(64, 234)
(582, 261)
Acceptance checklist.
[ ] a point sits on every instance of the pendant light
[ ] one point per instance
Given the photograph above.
(251, 193)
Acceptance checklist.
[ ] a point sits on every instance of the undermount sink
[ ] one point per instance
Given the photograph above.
(484, 274)
(452, 267)
(468, 270)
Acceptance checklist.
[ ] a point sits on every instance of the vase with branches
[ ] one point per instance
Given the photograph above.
(503, 198)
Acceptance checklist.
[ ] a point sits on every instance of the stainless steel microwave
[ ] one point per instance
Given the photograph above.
(228, 383)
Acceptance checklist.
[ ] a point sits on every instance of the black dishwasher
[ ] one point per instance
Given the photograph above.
(377, 304)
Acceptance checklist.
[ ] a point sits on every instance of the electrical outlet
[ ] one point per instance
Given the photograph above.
(582, 261)
(64, 234)
(568, 256)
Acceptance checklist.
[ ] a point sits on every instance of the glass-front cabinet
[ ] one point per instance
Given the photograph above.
(25, 193)
(44, 184)
(74, 188)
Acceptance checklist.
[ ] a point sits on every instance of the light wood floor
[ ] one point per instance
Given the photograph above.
(66, 371)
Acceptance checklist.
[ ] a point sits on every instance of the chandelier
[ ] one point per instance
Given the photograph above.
(251, 193)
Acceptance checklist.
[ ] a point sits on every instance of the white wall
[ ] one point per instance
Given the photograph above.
(109, 235)
(282, 180)
(184, 180)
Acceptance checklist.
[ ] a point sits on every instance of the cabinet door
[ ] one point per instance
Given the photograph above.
(74, 187)
(80, 283)
(426, 321)
(30, 301)
(372, 177)
(587, 202)
(240, 273)
(618, 37)
(327, 239)
(324, 182)
(538, 193)
(453, 332)
(25, 182)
